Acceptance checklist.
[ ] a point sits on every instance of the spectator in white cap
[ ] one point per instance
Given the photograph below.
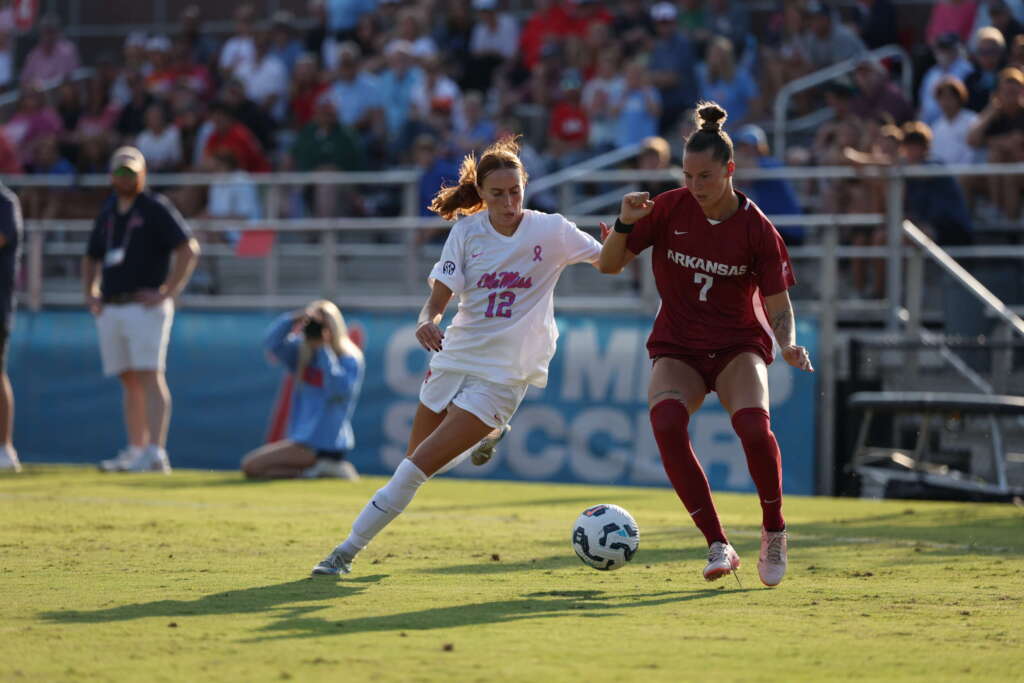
(397, 84)
(129, 286)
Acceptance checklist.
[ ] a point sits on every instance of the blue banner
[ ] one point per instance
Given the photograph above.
(589, 425)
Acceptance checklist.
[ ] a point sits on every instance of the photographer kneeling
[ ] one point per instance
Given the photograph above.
(313, 343)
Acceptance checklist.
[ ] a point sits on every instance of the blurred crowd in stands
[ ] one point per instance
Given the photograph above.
(378, 84)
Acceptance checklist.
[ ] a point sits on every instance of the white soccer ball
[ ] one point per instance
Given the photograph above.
(605, 537)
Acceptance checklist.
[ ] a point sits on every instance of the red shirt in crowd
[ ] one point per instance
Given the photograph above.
(303, 104)
(554, 23)
(569, 124)
(712, 278)
(242, 144)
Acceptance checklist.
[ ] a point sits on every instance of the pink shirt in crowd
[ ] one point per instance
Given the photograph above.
(952, 17)
(42, 66)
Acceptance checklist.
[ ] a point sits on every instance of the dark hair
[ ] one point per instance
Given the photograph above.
(953, 85)
(709, 134)
(464, 199)
(917, 133)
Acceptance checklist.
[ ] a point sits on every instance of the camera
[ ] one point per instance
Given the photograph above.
(313, 329)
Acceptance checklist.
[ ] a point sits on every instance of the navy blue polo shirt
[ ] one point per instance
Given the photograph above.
(148, 233)
(11, 229)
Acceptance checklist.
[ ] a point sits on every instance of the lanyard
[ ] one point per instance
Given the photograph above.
(133, 220)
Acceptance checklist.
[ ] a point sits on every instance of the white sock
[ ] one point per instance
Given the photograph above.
(386, 504)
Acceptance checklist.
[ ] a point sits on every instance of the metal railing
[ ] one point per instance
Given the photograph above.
(82, 73)
(781, 106)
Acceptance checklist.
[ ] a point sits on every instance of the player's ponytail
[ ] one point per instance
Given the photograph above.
(710, 134)
(464, 199)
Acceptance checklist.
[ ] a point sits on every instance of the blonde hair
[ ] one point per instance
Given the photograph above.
(464, 199)
(340, 342)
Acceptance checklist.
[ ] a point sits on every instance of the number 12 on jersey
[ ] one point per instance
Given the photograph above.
(705, 281)
(504, 302)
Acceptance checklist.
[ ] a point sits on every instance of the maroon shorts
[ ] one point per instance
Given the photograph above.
(710, 364)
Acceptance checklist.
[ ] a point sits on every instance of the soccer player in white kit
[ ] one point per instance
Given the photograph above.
(503, 263)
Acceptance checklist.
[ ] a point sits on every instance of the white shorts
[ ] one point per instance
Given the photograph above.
(493, 403)
(134, 337)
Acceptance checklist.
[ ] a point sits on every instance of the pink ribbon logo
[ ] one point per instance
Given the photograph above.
(536, 253)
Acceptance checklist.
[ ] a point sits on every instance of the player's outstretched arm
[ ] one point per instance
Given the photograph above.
(614, 254)
(428, 334)
(780, 313)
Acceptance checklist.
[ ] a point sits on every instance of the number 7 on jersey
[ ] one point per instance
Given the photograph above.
(705, 281)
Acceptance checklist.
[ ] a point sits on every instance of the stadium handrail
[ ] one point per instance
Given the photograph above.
(816, 78)
(80, 74)
(989, 300)
(404, 176)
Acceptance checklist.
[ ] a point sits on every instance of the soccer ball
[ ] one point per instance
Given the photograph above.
(605, 537)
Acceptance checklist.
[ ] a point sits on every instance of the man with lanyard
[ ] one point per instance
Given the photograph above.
(129, 254)
(10, 248)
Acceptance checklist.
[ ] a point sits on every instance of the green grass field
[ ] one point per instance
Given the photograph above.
(202, 576)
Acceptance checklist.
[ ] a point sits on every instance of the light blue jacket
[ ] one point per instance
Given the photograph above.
(323, 402)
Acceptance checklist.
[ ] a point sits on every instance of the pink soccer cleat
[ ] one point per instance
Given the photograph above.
(771, 564)
(722, 560)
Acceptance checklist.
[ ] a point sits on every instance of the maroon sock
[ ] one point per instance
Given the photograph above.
(669, 418)
(764, 460)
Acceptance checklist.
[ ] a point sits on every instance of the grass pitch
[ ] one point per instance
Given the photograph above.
(201, 576)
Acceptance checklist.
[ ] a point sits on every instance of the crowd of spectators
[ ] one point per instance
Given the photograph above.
(377, 84)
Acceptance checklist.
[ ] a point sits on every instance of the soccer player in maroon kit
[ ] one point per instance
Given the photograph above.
(722, 271)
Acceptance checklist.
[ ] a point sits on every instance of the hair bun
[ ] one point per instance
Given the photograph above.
(710, 116)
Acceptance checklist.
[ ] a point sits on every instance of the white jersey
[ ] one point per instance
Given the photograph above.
(504, 330)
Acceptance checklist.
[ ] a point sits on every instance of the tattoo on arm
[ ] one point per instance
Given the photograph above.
(782, 325)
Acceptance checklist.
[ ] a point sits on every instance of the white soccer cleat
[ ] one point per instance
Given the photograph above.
(126, 457)
(484, 451)
(331, 469)
(153, 459)
(771, 564)
(9, 460)
(722, 560)
(334, 564)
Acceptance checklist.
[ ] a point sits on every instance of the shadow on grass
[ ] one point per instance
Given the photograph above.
(544, 605)
(563, 560)
(281, 596)
(959, 530)
(283, 604)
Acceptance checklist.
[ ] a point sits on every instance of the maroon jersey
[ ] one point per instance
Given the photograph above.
(712, 278)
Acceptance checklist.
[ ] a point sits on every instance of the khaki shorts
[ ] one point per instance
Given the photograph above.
(134, 337)
(493, 403)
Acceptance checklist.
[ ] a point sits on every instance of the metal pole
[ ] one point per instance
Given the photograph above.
(410, 207)
(915, 302)
(270, 264)
(329, 264)
(34, 265)
(894, 267)
(826, 362)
